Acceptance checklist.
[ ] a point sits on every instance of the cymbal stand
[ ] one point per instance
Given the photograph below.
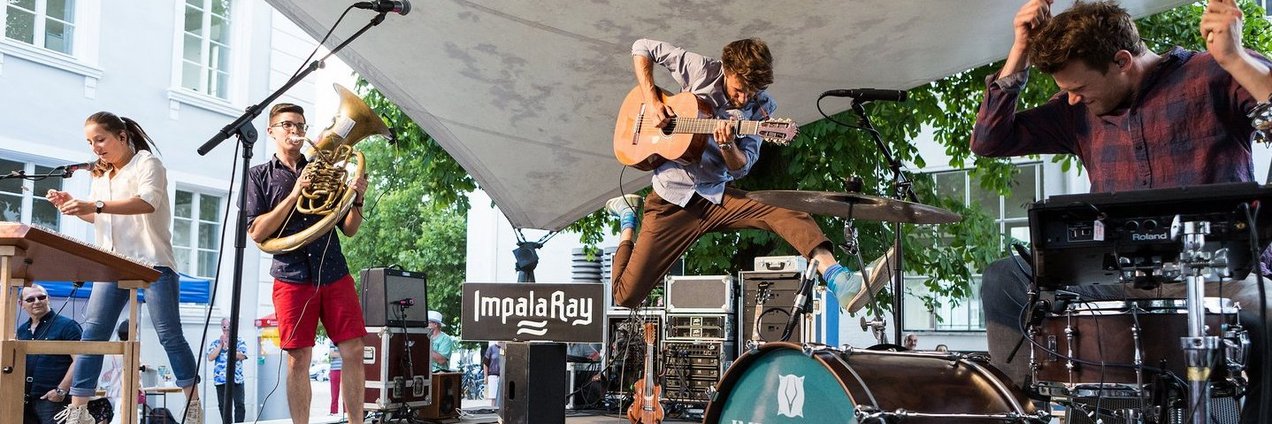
(1197, 345)
(852, 247)
(904, 190)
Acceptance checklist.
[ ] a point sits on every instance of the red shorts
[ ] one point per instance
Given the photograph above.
(300, 306)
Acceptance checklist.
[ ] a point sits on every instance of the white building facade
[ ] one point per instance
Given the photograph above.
(183, 69)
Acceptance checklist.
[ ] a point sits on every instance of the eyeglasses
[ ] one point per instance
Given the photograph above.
(32, 299)
(289, 125)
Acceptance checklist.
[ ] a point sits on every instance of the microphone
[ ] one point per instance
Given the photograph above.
(401, 7)
(802, 304)
(67, 170)
(867, 94)
(405, 302)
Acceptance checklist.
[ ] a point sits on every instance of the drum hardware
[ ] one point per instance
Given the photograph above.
(1197, 345)
(861, 206)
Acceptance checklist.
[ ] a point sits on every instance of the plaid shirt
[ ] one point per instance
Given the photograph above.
(1186, 126)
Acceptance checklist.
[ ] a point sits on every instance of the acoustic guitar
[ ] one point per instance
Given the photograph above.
(646, 407)
(640, 144)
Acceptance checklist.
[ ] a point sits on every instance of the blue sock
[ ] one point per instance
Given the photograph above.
(840, 282)
(628, 220)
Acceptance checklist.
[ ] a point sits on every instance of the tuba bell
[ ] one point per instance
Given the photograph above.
(334, 164)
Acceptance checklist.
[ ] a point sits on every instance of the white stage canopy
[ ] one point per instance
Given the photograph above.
(523, 93)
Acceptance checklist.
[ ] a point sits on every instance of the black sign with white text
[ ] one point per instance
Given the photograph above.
(533, 311)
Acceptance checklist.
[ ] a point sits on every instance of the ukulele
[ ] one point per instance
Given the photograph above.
(641, 145)
(646, 407)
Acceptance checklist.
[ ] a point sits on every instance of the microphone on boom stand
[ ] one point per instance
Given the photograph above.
(803, 300)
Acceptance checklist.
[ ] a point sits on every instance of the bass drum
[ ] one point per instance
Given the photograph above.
(781, 382)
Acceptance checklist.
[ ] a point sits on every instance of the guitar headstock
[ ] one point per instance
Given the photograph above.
(650, 329)
(778, 131)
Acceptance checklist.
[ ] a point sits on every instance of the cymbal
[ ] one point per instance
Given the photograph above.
(855, 206)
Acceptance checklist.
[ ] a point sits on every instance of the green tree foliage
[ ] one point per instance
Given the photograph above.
(821, 158)
(416, 215)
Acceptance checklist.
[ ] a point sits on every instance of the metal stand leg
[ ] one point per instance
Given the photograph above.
(1197, 346)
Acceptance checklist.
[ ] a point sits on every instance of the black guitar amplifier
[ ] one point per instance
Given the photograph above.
(394, 298)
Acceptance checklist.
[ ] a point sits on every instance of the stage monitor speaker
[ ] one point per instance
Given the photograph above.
(394, 298)
(533, 387)
(447, 396)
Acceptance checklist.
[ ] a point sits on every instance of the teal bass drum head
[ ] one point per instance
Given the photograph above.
(786, 386)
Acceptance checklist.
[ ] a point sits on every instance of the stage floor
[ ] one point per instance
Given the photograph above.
(480, 414)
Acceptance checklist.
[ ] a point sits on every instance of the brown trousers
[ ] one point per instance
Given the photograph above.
(667, 230)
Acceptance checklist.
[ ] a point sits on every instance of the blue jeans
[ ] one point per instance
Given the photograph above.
(104, 307)
(42, 411)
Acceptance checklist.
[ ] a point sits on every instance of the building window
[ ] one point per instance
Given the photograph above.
(49, 24)
(196, 233)
(965, 316)
(1010, 212)
(18, 201)
(205, 57)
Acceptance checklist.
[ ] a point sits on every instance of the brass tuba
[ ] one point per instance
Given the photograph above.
(333, 166)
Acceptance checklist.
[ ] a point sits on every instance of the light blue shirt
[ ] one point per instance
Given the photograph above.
(704, 77)
(218, 367)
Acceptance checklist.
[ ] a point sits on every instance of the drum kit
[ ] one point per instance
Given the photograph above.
(1125, 353)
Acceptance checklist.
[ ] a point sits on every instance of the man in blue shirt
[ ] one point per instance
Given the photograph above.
(48, 377)
(218, 353)
(691, 199)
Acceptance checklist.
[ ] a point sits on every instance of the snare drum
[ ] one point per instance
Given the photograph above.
(1136, 340)
(782, 382)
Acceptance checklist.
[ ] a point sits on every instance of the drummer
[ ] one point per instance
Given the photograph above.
(1137, 119)
(689, 200)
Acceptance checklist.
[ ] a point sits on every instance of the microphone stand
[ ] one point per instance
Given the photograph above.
(904, 191)
(246, 134)
(803, 300)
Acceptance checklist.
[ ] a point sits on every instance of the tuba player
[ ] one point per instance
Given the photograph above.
(311, 282)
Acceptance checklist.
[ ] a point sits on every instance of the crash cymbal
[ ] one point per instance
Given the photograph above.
(855, 206)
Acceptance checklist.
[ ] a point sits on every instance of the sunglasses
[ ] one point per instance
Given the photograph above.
(32, 299)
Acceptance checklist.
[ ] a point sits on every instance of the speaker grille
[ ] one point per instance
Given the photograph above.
(711, 293)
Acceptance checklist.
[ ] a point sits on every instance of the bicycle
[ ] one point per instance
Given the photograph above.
(474, 381)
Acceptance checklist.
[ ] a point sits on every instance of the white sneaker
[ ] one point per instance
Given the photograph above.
(621, 204)
(74, 415)
(193, 413)
(880, 274)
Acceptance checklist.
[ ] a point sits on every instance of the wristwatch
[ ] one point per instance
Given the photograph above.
(100, 204)
(59, 391)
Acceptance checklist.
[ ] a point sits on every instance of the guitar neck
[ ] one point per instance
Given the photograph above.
(708, 126)
(649, 373)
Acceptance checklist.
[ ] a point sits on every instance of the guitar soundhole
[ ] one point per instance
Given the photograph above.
(670, 128)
